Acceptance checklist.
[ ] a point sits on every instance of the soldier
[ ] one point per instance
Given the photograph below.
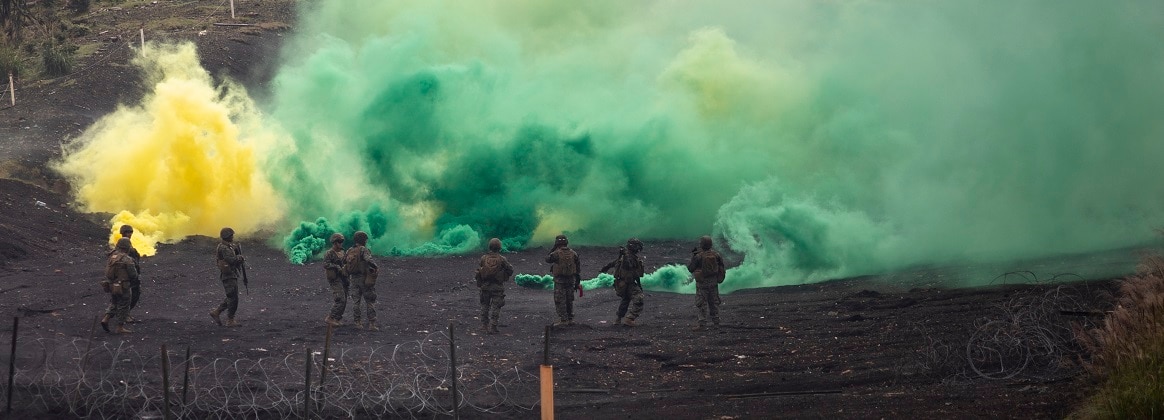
(135, 283)
(230, 262)
(337, 279)
(363, 271)
(708, 268)
(628, 269)
(492, 273)
(120, 273)
(566, 268)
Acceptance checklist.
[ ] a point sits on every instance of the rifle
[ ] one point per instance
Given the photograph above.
(578, 283)
(244, 270)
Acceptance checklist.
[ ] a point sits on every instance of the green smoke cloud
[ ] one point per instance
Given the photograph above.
(816, 139)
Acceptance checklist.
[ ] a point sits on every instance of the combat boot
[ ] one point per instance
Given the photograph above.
(332, 322)
(372, 326)
(230, 322)
(131, 319)
(214, 314)
(562, 323)
(485, 327)
(699, 327)
(618, 320)
(359, 324)
(630, 322)
(492, 329)
(122, 330)
(105, 323)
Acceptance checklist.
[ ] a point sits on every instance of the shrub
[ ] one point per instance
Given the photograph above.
(1127, 352)
(58, 58)
(9, 62)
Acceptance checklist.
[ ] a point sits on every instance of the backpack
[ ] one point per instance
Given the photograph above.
(567, 265)
(492, 269)
(710, 264)
(111, 268)
(354, 261)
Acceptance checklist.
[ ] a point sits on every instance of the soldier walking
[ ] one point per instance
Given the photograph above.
(566, 268)
(120, 272)
(134, 283)
(492, 273)
(708, 268)
(337, 280)
(628, 270)
(230, 262)
(363, 271)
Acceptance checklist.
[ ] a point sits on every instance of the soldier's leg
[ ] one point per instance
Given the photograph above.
(231, 286)
(225, 305)
(495, 304)
(339, 300)
(570, 303)
(110, 312)
(486, 305)
(622, 307)
(370, 300)
(357, 301)
(121, 310)
(561, 293)
(713, 303)
(701, 304)
(636, 302)
(136, 289)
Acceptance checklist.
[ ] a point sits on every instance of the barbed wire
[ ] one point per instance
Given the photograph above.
(116, 380)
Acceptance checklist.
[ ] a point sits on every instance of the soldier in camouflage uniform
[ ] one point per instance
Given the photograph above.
(492, 273)
(230, 262)
(565, 269)
(628, 269)
(120, 273)
(337, 279)
(126, 231)
(708, 268)
(363, 271)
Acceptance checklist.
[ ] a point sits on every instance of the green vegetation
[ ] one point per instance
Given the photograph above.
(40, 32)
(1128, 350)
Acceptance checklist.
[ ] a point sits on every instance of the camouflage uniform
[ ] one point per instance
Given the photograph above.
(337, 280)
(363, 283)
(229, 264)
(706, 286)
(492, 290)
(628, 269)
(135, 284)
(120, 272)
(564, 284)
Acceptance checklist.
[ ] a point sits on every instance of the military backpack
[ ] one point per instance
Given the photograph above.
(709, 265)
(354, 260)
(492, 269)
(567, 265)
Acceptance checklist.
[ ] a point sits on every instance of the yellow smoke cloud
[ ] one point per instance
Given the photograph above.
(185, 161)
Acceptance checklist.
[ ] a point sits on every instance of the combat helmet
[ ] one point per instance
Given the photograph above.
(495, 244)
(336, 237)
(705, 242)
(226, 234)
(360, 237)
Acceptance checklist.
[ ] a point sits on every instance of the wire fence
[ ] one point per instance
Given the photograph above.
(1029, 336)
(110, 380)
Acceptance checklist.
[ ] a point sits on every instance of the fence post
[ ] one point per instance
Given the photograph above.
(323, 367)
(453, 371)
(232, 9)
(12, 357)
(165, 383)
(186, 378)
(307, 386)
(547, 380)
(12, 88)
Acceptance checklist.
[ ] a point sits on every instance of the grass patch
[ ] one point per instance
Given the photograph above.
(1127, 352)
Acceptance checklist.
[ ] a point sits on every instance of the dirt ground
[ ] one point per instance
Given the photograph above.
(873, 347)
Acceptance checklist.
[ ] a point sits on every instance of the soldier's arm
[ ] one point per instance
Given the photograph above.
(131, 270)
(695, 263)
(367, 256)
(608, 266)
(507, 268)
(552, 258)
(577, 263)
(229, 255)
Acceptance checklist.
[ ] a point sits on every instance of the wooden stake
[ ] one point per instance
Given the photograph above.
(453, 371)
(12, 354)
(323, 367)
(547, 380)
(165, 383)
(186, 378)
(232, 9)
(307, 386)
(12, 88)
(143, 39)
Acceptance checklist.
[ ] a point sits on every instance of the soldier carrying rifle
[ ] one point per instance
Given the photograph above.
(230, 263)
(566, 270)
